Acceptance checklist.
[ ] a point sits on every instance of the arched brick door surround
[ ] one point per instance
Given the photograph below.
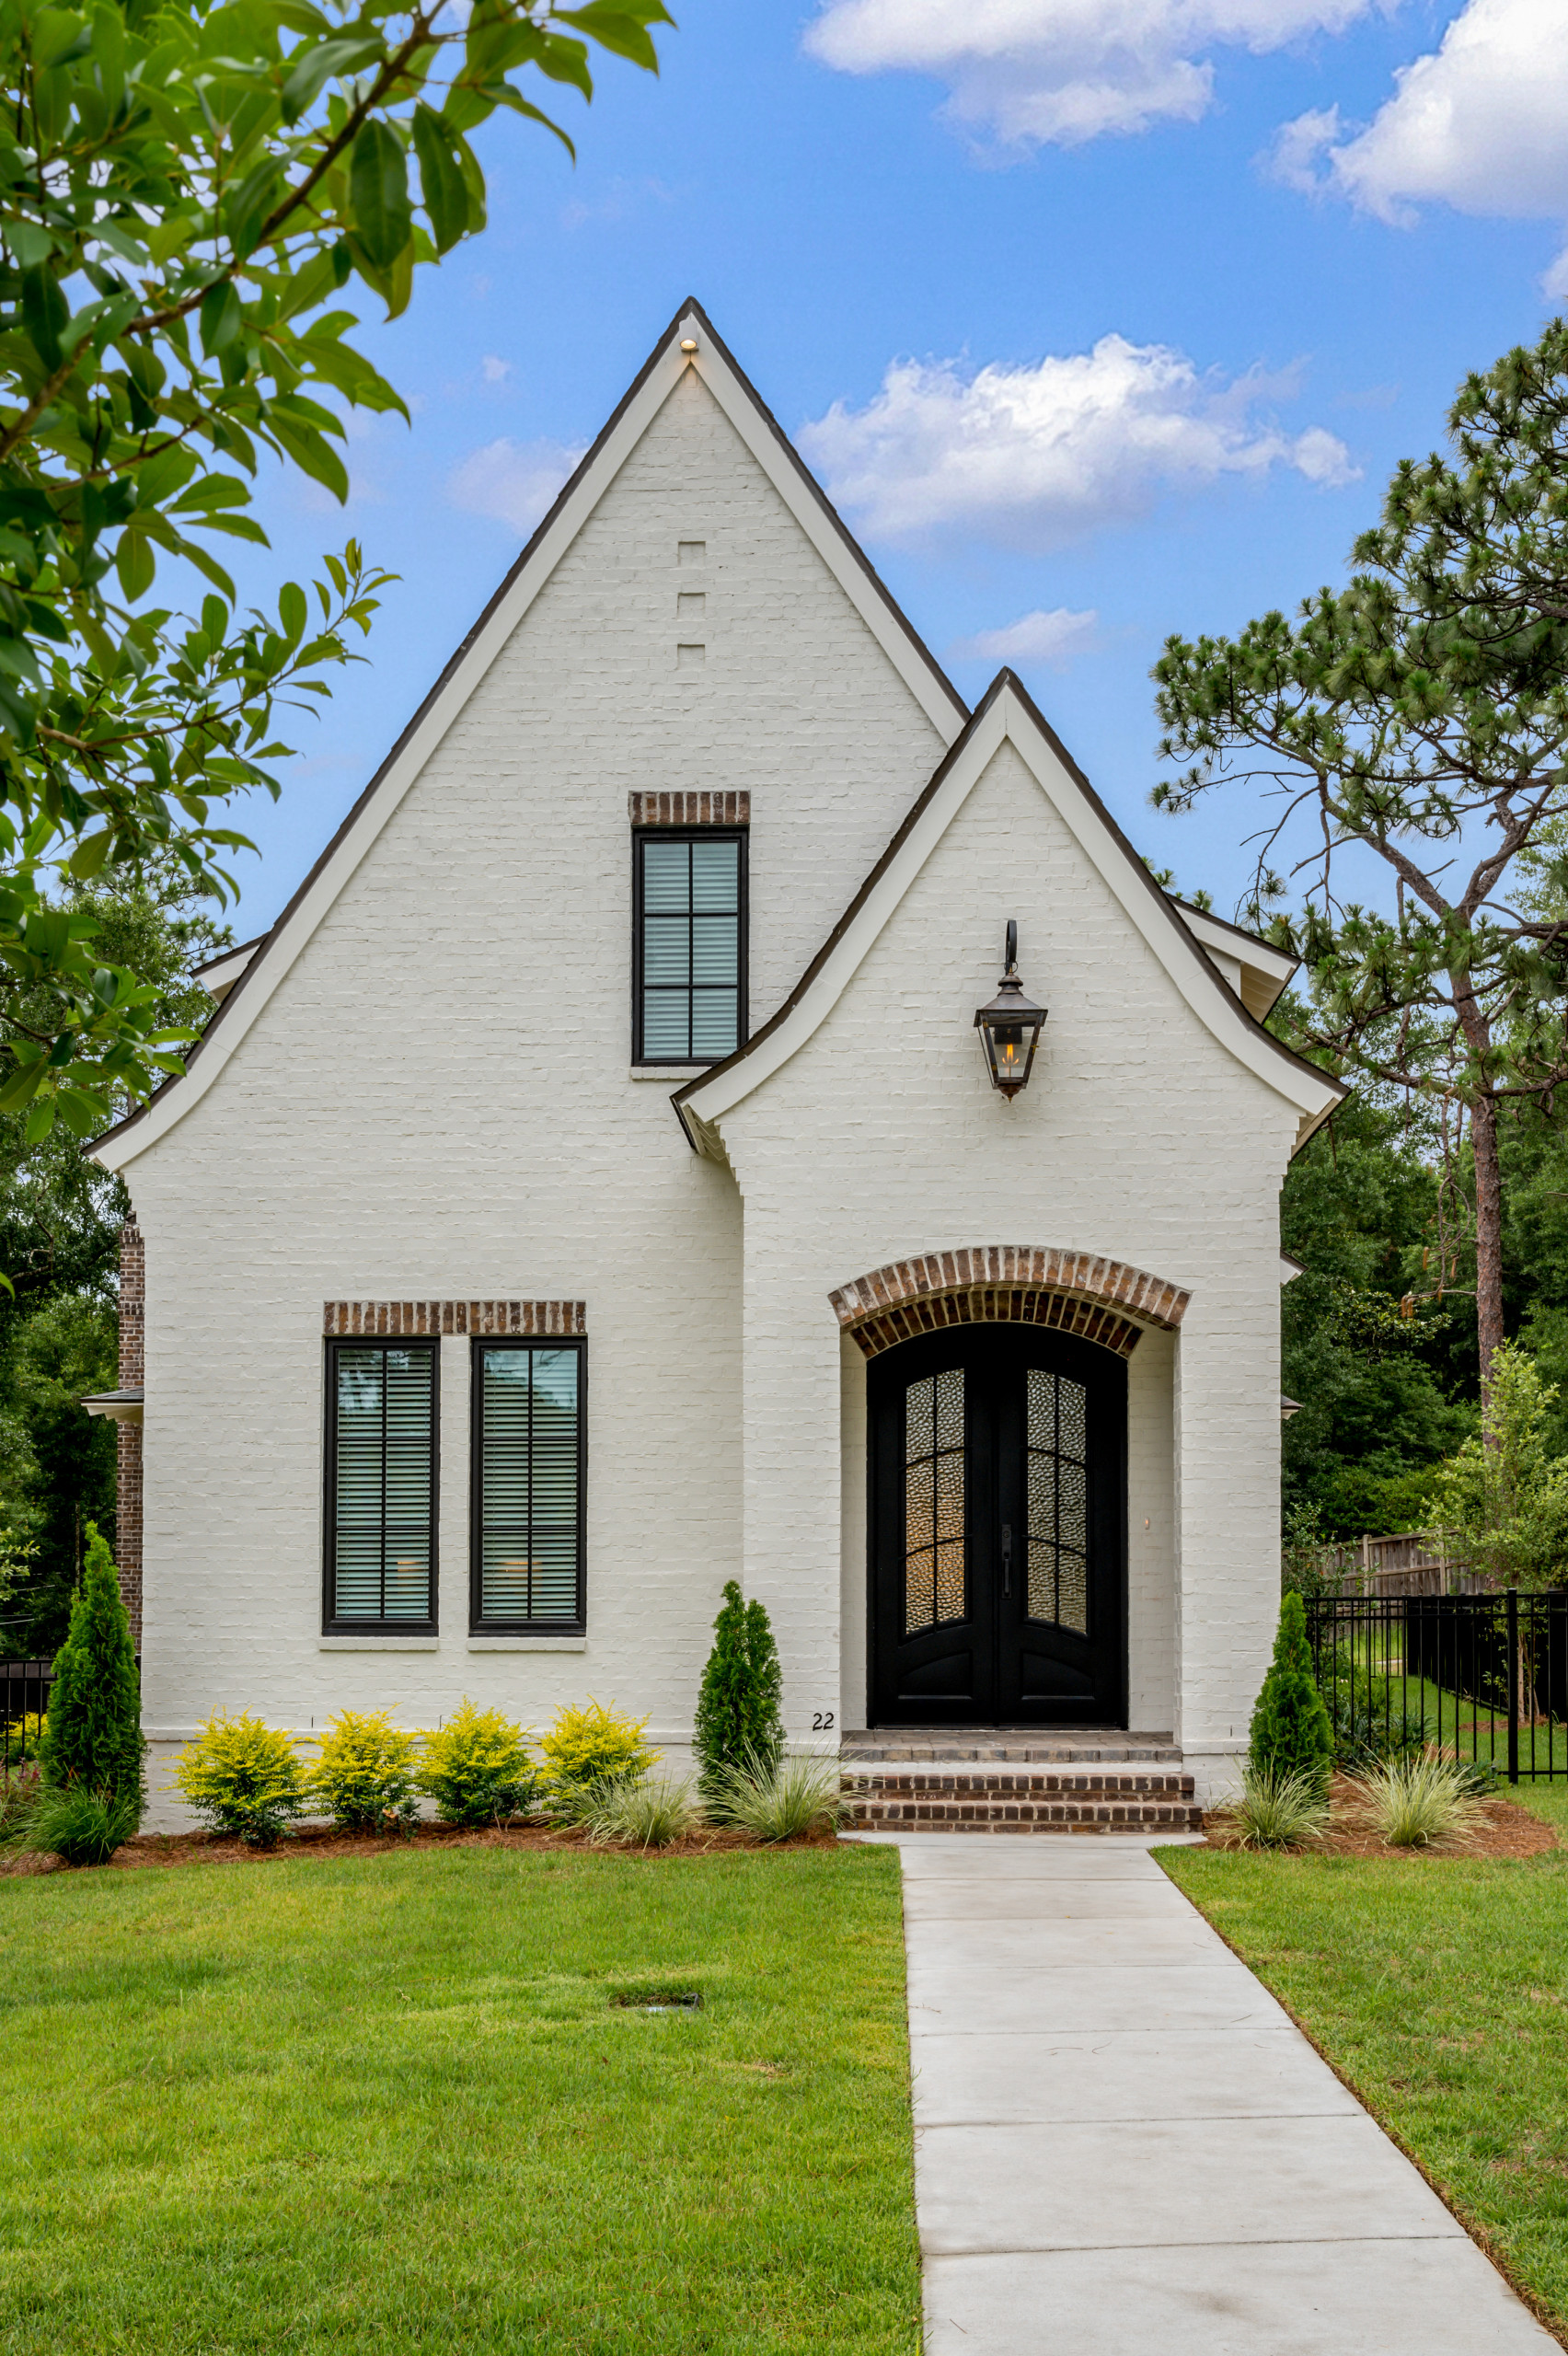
(1016, 1284)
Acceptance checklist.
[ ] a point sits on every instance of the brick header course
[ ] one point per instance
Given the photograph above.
(410, 1317)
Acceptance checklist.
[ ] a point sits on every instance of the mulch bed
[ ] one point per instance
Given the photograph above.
(1507, 1830)
(154, 1848)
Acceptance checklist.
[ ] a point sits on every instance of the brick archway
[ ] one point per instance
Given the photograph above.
(1016, 1284)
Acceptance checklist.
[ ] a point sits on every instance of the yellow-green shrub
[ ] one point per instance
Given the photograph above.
(242, 1777)
(477, 1768)
(588, 1747)
(363, 1776)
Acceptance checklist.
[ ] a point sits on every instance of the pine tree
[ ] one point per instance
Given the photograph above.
(1290, 1730)
(94, 1734)
(737, 1708)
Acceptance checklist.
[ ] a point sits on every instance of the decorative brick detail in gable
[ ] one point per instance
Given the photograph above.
(128, 1436)
(690, 809)
(1016, 1284)
(410, 1317)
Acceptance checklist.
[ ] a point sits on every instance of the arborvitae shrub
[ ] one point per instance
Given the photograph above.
(94, 1733)
(1291, 1732)
(737, 1724)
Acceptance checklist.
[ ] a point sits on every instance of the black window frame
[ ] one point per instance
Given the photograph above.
(479, 1625)
(639, 836)
(332, 1623)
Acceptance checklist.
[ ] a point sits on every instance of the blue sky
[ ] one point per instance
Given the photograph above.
(1113, 312)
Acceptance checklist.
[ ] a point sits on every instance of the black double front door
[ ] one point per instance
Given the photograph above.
(998, 1530)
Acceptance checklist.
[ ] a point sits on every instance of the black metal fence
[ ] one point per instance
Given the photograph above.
(1481, 1679)
(24, 1698)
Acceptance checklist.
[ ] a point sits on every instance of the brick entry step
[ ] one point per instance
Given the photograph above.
(943, 1797)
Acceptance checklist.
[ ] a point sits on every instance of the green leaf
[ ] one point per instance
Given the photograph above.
(55, 33)
(442, 183)
(88, 856)
(504, 96)
(223, 317)
(292, 611)
(318, 66)
(622, 30)
(135, 563)
(29, 243)
(45, 313)
(378, 194)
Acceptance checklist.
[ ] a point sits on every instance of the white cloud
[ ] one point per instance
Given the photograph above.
(1054, 638)
(1479, 123)
(494, 371)
(514, 481)
(1031, 457)
(1065, 71)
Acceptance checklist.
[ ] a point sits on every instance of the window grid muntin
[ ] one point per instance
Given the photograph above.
(1058, 1492)
(694, 1021)
(570, 1560)
(409, 1541)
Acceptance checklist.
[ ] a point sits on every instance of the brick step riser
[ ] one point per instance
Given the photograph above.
(1006, 1817)
(1091, 1801)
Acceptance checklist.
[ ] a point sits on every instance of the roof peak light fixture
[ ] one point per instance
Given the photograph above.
(1009, 1027)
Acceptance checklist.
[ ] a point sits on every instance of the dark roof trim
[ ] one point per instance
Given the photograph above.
(226, 956)
(1004, 680)
(1241, 930)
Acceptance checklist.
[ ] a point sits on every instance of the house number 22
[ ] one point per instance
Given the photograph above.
(821, 1721)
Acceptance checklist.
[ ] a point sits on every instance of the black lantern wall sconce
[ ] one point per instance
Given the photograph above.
(1009, 1027)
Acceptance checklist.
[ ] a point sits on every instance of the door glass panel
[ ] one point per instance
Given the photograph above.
(933, 1501)
(1058, 1501)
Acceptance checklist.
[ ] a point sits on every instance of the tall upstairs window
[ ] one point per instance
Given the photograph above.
(529, 1458)
(689, 952)
(381, 1485)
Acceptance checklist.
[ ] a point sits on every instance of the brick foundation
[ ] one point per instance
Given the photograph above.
(133, 1375)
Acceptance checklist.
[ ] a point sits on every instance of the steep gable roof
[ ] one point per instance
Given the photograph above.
(1005, 714)
(690, 341)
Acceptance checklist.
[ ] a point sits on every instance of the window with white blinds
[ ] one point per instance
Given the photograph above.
(381, 1484)
(528, 1504)
(689, 957)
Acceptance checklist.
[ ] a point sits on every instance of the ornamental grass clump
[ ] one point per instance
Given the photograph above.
(780, 1799)
(737, 1722)
(83, 1827)
(639, 1814)
(244, 1778)
(477, 1768)
(1291, 1732)
(586, 1747)
(363, 1776)
(1423, 1803)
(1275, 1811)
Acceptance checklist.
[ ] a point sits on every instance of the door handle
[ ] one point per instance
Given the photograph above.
(1006, 1558)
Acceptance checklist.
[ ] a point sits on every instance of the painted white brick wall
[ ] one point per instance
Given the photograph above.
(436, 1105)
(1139, 1137)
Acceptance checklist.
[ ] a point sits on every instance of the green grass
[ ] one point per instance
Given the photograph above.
(1439, 1991)
(390, 2104)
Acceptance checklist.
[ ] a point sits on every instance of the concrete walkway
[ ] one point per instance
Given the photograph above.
(1124, 2148)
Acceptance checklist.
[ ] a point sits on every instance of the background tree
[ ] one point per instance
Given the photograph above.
(184, 191)
(1415, 723)
(60, 1219)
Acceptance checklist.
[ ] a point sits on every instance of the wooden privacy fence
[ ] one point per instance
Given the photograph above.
(1405, 1563)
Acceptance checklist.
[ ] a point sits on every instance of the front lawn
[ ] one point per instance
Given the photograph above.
(390, 2104)
(1438, 1988)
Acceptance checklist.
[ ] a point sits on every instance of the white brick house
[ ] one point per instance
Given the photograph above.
(593, 1187)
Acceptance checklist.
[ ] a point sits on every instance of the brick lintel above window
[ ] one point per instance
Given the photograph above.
(690, 809)
(405, 1318)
